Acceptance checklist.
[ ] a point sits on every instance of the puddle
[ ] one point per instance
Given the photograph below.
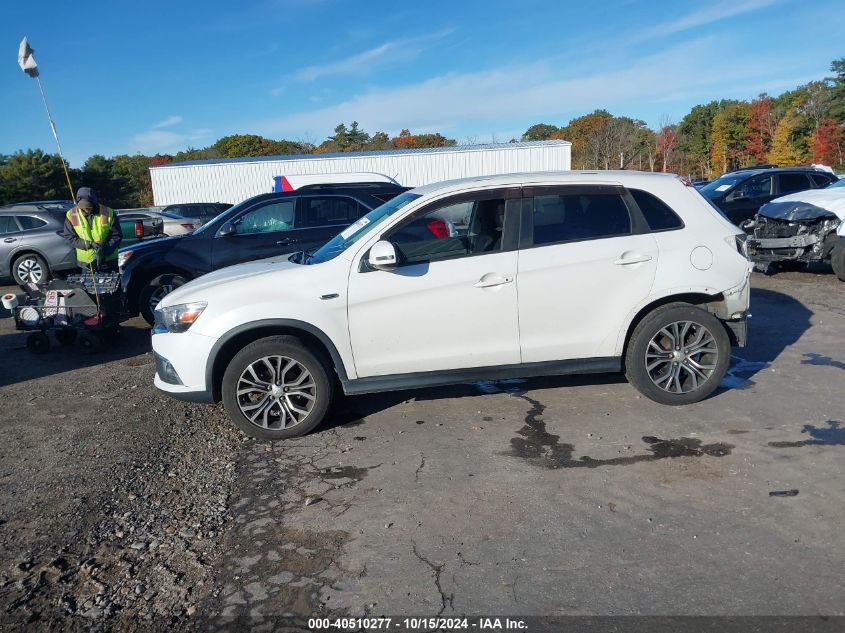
(832, 435)
(500, 386)
(543, 449)
(824, 361)
(740, 373)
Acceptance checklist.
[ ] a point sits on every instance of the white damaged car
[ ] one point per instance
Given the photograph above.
(794, 230)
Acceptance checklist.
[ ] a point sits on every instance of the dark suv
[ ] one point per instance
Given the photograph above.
(266, 225)
(740, 194)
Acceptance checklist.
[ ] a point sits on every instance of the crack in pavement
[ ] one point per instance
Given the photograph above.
(437, 570)
(420, 467)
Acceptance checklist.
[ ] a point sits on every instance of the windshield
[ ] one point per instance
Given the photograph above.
(359, 229)
(839, 183)
(719, 186)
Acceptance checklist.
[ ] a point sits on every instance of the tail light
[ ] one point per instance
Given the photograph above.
(139, 230)
(188, 227)
(439, 229)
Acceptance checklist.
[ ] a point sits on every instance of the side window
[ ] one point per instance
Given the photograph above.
(566, 218)
(657, 214)
(8, 224)
(455, 230)
(790, 183)
(820, 180)
(29, 222)
(759, 187)
(328, 211)
(276, 216)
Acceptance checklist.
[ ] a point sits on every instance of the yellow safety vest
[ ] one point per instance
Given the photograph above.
(92, 229)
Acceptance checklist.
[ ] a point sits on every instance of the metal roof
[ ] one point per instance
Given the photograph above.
(386, 152)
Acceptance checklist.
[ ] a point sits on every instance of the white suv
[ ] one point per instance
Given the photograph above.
(484, 278)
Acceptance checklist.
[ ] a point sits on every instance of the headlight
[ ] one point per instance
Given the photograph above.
(178, 318)
(123, 257)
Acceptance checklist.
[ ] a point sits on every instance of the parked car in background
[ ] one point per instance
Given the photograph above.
(31, 247)
(262, 226)
(160, 223)
(197, 213)
(740, 194)
(553, 273)
(794, 230)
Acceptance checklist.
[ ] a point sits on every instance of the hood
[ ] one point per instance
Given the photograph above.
(193, 290)
(150, 245)
(807, 205)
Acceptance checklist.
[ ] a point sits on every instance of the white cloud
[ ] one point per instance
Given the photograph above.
(707, 15)
(389, 52)
(168, 142)
(520, 92)
(168, 122)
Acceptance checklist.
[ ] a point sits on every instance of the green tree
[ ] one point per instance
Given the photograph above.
(540, 132)
(694, 136)
(33, 175)
(730, 126)
(837, 90)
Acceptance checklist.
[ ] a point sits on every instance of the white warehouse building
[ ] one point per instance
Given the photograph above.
(235, 179)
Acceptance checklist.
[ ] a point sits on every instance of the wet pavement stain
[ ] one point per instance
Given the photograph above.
(420, 421)
(346, 472)
(737, 431)
(824, 361)
(833, 435)
(543, 449)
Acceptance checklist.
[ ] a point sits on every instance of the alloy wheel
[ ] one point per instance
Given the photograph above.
(681, 357)
(276, 392)
(158, 294)
(30, 270)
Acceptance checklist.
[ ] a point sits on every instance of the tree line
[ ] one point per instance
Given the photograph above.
(800, 126)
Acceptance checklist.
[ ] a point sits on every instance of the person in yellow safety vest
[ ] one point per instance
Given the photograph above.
(93, 230)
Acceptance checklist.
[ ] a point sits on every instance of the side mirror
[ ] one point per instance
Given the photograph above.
(226, 230)
(382, 256)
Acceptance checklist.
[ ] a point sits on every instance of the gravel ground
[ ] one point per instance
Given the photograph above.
(124, 510)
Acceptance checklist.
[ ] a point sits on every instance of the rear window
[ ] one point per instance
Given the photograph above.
(8, 224)
(571, 217)
(820, 180)
(790, 183)
(657, 214)
(29, 222)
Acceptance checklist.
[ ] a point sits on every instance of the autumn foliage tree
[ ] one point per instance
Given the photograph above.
(784, 152)
(828, 141)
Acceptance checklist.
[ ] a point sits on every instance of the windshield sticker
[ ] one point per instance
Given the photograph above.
(722, 187)
(353, 228)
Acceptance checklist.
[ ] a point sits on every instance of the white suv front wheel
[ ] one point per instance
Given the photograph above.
(275, 388)
(678, 354)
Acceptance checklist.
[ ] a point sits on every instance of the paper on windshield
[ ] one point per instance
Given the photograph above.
(354, 228)
(722, 187)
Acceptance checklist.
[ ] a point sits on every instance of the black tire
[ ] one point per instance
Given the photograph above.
(289, 348)
(66, 337)
(155, 291)
(38, 343)
(30, 267)
(651, 325)
(837, 258)
(88, 342)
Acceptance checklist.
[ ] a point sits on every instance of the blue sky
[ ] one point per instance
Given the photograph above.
(156, 76)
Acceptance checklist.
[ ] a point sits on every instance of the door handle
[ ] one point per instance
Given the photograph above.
(492, 279)
(286, 241)
(631, 258)
(9, 240)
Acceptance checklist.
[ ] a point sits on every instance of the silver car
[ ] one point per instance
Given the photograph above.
(172, 225)
(31, 247)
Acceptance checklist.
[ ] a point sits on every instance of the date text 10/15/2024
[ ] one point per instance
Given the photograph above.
(417, 624)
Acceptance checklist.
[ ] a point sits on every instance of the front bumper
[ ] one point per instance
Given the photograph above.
(181, 361)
